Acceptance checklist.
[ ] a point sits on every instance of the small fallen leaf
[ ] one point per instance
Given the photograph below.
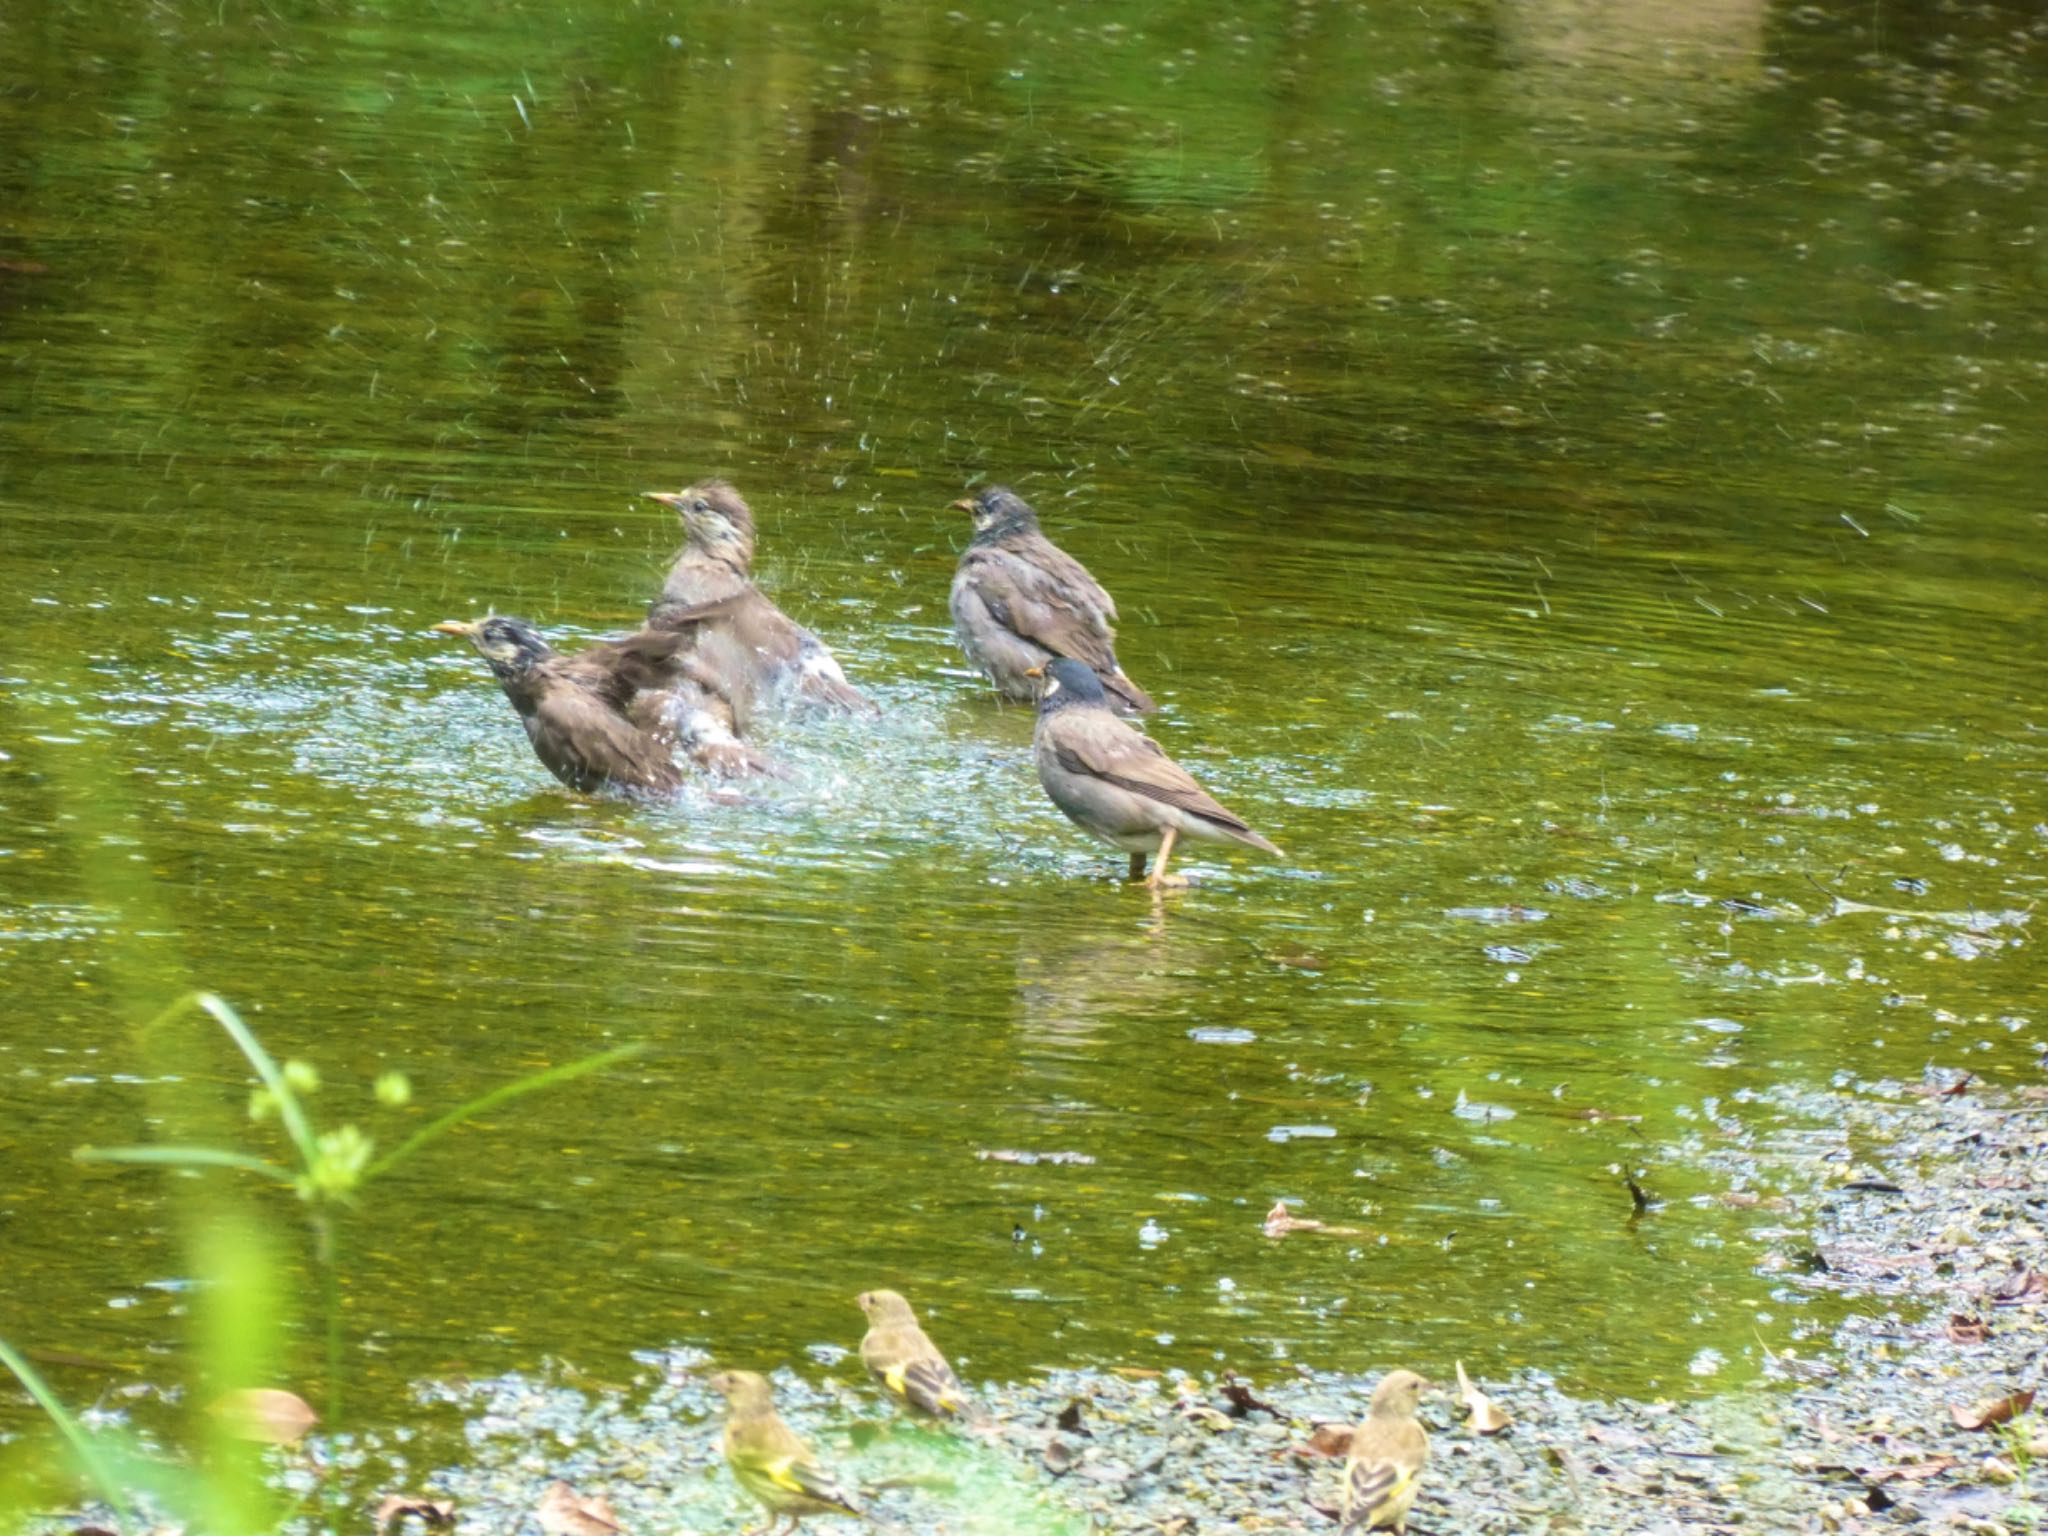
(1243, 1402)
(265, 1414)
(1059, 1457)
(1992, 1411)
(1487, 1418)
(1280, 1221)
(1329, 1440)
(1964, 1329)
(1212, 1419)
(396, 1506)
(563, 1511)
(1938, 1088)
(2021, 1288)
(1750, 1200)
(1916, 1472)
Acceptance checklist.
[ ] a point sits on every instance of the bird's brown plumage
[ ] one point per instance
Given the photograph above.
(611, 715)
(1019, 600)
(1118, 784)
(755, 651)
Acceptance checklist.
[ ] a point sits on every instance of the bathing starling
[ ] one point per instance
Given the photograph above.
(610, 715)
(757, 654)
(1019, 600)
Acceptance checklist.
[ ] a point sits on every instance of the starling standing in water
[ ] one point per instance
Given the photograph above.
(1019, 600)
(609, 716)
(902, 1358)
(1387, 1455)
(1118, 784)
(754, 650)
(769, 1460)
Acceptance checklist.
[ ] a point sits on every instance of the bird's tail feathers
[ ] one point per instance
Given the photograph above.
(1127, 693)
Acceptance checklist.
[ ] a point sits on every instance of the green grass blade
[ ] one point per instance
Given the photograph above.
(96, 1466)
(497, 1096)
(289, 1110)
(183, 1157)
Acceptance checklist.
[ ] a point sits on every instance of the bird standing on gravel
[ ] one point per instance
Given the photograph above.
(899, 1355)
(1019, 600)
(769, 1460)
(1387, 1455)
(755, 650)
(1118, 784)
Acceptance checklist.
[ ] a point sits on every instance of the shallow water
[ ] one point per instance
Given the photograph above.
(1573, 484)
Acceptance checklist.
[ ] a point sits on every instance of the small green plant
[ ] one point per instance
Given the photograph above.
(328, 1170)
(2024, 1434)
(332, 1166)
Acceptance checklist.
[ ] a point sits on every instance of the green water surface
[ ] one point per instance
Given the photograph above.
(1565, 467)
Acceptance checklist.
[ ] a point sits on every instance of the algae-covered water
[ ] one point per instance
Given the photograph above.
(1571, 471)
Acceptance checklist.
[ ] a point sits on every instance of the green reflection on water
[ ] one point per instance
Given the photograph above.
(1559, 481)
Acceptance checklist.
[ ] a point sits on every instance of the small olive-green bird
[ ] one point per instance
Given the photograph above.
(903, 1358)
(1388, 1452)
(769, 1460)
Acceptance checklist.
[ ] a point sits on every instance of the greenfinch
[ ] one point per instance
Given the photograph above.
(902, 1358)
(769, 1460)
(1387, 1455)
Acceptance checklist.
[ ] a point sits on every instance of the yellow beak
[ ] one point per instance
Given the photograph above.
(455, 627)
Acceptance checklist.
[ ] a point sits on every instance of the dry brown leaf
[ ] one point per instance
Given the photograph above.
(1964, 1329)
(563, 1511)
(1280, 1221)
(1329, 1440)
(1487, 1419)
(1916, 1472)
(1242, 1400)
(266, 1414)
(396, 1506)
(1992, 1411)
(2023, 1287)
(1936, 1088)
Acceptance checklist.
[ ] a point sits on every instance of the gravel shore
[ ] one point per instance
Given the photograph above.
(1924, 1207)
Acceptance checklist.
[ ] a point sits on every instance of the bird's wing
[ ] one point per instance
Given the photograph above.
(1381, 1476)
(1369, 1485)
(584, 739)
(797, 1475)
(1047, 598)
(928, 1384)
(1109, 750)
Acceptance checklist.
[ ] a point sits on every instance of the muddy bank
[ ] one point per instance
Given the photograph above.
(1923, 1210)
